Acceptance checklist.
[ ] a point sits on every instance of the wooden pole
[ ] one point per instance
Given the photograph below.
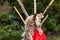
(48, 6)
(44, 19)
(46, 11)
(19, 14)
(35, 7)
(23, 8)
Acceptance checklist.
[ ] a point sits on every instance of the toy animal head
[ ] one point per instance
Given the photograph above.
(38, 19)
(30, 20)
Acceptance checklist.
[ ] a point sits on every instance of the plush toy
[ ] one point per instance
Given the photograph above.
(32, 33)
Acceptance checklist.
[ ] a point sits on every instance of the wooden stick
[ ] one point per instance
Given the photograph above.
(48, 6)
(23, 8)
(19, 14)
(44, 19)
(35, 7)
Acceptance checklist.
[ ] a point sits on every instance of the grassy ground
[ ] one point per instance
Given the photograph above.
(53, 37)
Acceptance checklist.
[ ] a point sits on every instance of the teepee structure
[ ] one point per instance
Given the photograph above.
(32, 21)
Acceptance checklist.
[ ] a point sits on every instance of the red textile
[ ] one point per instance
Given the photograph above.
(36, 36)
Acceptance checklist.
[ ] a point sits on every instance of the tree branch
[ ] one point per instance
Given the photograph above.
(23, 8)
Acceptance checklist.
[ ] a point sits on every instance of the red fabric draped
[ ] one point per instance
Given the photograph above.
(36, 36)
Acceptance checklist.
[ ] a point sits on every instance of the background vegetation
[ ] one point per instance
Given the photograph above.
(11, 26)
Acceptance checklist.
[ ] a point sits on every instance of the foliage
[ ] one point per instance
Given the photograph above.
(11, 26)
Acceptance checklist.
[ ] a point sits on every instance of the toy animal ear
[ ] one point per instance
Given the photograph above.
(40, 15)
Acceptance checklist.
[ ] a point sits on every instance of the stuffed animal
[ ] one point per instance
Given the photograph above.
(30, 27)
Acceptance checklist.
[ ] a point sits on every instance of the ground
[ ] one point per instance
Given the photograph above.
(54, 37)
